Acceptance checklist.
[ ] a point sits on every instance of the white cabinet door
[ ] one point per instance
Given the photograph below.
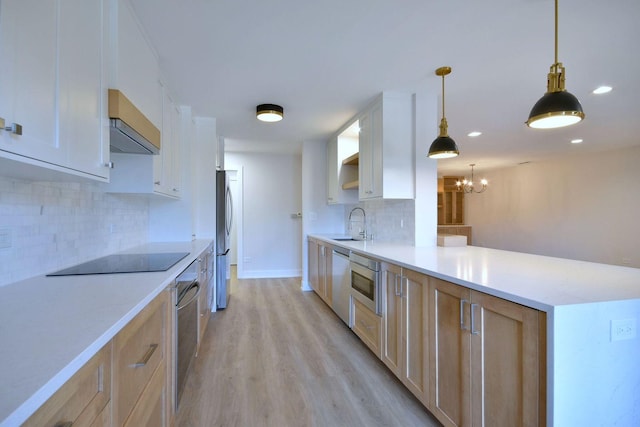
(134, 66)
(332, 170)
(52, 84)
(28, 75)
(338, 149)
(365, 170)
(387, 149)
(82, 103)
(166, 165)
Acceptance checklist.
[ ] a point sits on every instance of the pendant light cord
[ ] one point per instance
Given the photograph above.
(556, 33)
(443, 115)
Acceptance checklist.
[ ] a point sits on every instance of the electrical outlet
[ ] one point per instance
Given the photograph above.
(623, 329)
(5, 238)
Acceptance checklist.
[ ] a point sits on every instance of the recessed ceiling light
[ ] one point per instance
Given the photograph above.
(602, 89)
(576, 141)
(474, 134)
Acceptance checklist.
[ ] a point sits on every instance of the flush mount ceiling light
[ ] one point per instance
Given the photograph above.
(557, 108)
(443, 147)
(467, 185)
(269, 112)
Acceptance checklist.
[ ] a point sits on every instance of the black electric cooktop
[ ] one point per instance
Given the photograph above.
(124, 263)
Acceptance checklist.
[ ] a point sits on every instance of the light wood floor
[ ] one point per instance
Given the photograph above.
(278, 356)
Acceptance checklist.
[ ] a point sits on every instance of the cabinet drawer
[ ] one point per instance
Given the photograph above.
(139, 349)
(150, 410)
(367, 325)
(80, 400)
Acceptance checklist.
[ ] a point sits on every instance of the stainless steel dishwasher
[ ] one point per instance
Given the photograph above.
(341, 284)
(187, 292)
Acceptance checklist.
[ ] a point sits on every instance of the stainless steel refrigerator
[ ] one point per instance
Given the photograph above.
(224, 219)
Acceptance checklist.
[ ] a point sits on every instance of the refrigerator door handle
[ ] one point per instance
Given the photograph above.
(229, 208)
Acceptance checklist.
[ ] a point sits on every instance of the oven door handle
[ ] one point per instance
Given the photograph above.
(184, 294)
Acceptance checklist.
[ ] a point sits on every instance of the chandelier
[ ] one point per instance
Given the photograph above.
(467, 185)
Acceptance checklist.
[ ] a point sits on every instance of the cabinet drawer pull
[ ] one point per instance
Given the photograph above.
(146, 357)
(396, 284)
(462, 303)
(15, 129)
(64, 424)
(473, 323)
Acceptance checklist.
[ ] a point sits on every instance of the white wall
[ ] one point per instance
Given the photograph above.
(317, 216)
(271, 238)
(581, 207)
(596, 380)
(54, 225)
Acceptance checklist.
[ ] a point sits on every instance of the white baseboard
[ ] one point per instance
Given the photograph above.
(269, 274)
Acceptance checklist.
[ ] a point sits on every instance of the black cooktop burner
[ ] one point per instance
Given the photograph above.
(124, 263)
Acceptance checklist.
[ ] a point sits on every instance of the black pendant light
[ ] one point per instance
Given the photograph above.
(443, 147)
(557, 108)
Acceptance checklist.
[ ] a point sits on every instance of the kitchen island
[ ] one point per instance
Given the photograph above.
(592, 373)
(51, 326)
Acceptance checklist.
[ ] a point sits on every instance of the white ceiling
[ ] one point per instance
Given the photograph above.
(323, 61)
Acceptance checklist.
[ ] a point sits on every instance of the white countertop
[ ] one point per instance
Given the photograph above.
(536, 281)
(51, 326)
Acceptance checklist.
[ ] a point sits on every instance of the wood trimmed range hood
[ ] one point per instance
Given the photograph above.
(130, 130)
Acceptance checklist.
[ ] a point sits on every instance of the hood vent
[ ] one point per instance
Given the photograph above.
(131, 131)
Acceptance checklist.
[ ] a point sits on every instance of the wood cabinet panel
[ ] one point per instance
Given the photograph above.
(504, 359)
(367, 326)
(405, 326)
(488, 359)
(150, 411)
(415, 327)
(450, 201)
(320, 269)
(392, 318)
(82, 399)
(139, 350)
(450, 352)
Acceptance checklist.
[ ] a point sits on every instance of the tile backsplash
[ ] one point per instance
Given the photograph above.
(387, 220)
(46, 226)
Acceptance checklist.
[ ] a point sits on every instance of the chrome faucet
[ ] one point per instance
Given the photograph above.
(363, 233)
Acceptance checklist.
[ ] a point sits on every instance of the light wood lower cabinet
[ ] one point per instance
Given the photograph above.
(140, 357)
(405, 326)
(320, 274)
(127, 383)
(81, 401)
(367, 325)
(487, 359)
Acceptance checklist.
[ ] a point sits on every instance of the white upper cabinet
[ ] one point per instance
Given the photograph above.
(166, 165)
(342, 169)
(386, 164)
(134, 65)
(53, 84)
(136, 73)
